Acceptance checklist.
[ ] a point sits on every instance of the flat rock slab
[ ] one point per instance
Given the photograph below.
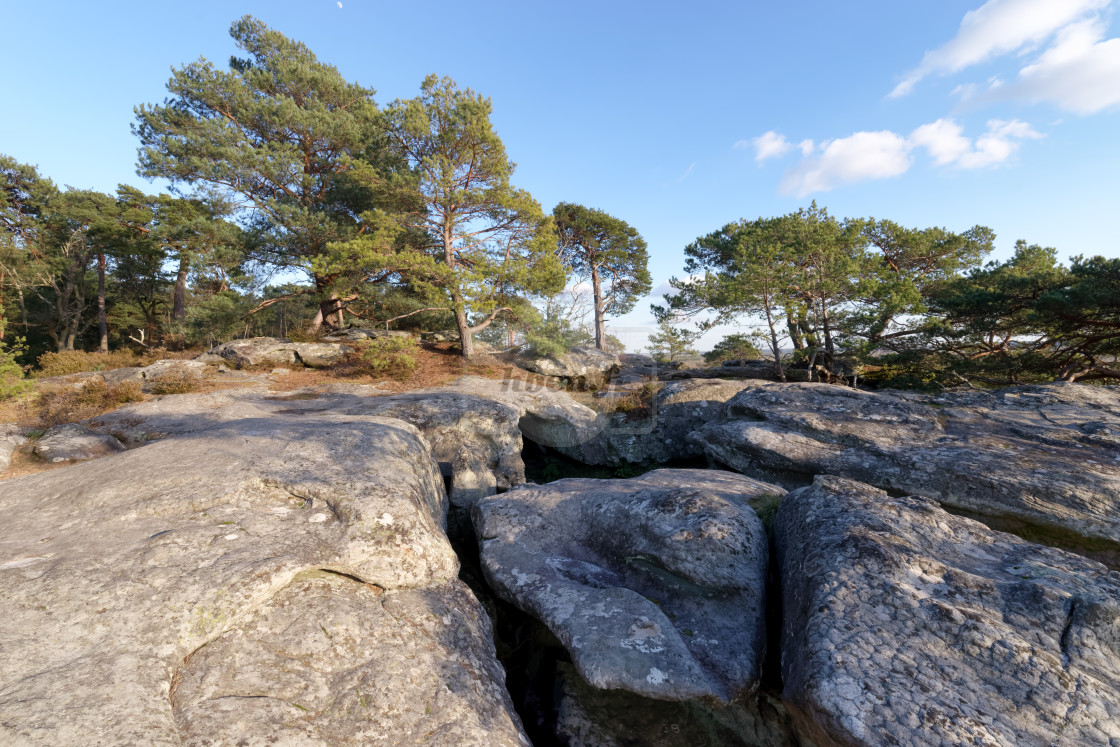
(1045, 455)
(906, 625)
(582, 364)
(655, 585)
(256, 351)
(116, 573)
(74, 442)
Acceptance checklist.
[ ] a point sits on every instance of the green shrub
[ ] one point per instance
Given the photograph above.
(766, 506)
(733, 348)
(77, 361)
(13, 382)
(89, 400)
(394, 357)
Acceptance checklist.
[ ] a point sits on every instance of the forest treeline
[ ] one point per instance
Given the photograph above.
(298, 204)
(903, 307)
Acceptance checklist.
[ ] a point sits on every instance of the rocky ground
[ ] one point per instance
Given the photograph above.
(263, 563)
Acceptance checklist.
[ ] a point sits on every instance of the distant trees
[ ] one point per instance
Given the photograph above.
(610, 253)
(671, 343)
(733, 347)
(839, 291)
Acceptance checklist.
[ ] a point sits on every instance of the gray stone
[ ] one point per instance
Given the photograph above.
(258, 351)
(581, 365)
(74, 442)
(439, 684)
(11, 438)
(1045, 455)
(119, 573)
(163, 368)
(654, 585)
(906, 625)
(661, 436)
(355, 334)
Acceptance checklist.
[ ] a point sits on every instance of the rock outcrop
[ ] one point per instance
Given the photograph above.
(11, 438)
(257, 351)
(655, 585)
(308, 552)
(906, 625)
(1045, 455)
(74, 442)
(661, 434)
(582, 365)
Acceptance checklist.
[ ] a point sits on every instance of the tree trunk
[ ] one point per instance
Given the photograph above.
(179, 300)
(775, 344)
(102, 323)
(600, 323)
(466, 336)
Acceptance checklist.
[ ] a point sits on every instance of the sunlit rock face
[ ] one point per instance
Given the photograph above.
(655, 585)
(277, 578)
(1044, 455)
(903, 624)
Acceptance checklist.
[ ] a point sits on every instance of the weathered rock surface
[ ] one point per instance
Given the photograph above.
(1046, 455)
(654, 585)
(661, 436)
(257, 351)
(906, 625)
(582, 365)
(474, 425)
(74, 442)
(405, 666)
(117, 573)
(10, 439)
(589, 717)
(354, 334)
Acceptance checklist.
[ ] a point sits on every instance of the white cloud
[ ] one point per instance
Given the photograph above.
(995, 28)
(865, 156)
(806, 147)
(1080, 72)
(769, 145)
(944, 139)
(856, 158)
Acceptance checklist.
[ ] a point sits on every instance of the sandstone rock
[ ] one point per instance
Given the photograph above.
(654, 585)
(548, 417)
(10, 439)
(263, 350)
(1046, 455)
(354, 334)
(73, 442)
(441, 683)
(118, 573)
(582, 365)
(677, 409)
(906, 625)
(159, 369)
(443, 335)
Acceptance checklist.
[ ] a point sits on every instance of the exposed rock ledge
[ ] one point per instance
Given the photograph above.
(1045, 455)
(161, 595)
(906, 625)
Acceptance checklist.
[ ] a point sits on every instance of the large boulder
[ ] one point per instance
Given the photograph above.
(73, 442)
(357, 334)
(307, 550)
(257, 351)
(654, 585)
(11, 438)
(661, 435)
(1009, 454)
(582, 365)
(906, 625)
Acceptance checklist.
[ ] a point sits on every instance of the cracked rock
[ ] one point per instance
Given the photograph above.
(654, 585)
(906, 625)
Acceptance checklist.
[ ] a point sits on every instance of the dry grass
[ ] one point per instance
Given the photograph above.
(79, 361)
(89, 400)
(182, 381)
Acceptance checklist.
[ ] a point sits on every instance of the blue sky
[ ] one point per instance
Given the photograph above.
(677, 117)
